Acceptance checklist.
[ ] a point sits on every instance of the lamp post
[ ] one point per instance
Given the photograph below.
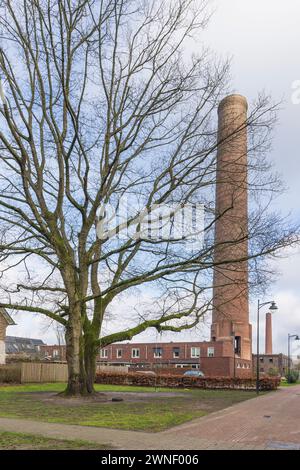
(259, 306)
(289, 352)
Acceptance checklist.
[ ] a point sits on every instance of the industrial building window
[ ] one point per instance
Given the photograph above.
(195, 352)
(261, 359)
(104, 353)
(237, 345)
(135, 353)
(271, 359)
(119, 353)
(157, 352)
(210, 352)
(176, 352)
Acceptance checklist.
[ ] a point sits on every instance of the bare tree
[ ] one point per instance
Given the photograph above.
(101, 102)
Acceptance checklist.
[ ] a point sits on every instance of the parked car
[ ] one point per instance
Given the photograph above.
(193, 373)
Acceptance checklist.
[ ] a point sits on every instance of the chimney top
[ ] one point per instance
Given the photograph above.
(234, 99)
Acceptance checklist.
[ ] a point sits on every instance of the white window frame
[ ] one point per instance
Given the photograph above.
(104, 353)
(174, 355)
(197, 354)
(157, 355)
(135, 353)
(119, 353)
(211, 352)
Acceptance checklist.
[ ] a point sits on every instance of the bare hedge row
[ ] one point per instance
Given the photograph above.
(175, 381)
(10, 374)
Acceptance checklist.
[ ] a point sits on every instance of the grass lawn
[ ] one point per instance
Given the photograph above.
(284, 383)
(60, 387)
(19, 441)
(151, 413)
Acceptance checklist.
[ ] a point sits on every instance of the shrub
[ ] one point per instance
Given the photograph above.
(293, 377)
(175, 381)
(273, 372)
(10, 373)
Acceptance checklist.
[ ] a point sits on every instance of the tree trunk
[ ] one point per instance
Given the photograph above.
(90, 372)
(76, 376)
(81, 359)
(90, 355)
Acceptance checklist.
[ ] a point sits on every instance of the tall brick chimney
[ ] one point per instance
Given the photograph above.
(230, 320)
(268, 337)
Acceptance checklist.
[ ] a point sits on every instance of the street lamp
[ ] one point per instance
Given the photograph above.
(273, 308)
(289, 352)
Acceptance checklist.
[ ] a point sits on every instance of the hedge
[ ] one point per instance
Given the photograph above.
(10, 373)
(175, 381)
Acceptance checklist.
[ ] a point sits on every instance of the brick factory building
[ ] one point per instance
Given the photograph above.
(210, 357)
(272, 364)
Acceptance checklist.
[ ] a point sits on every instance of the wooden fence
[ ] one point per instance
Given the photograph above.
(41, 372)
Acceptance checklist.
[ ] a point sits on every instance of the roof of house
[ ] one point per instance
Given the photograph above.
(6, 316)
(15, 344)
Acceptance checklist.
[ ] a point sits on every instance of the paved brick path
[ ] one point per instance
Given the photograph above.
(271, 421)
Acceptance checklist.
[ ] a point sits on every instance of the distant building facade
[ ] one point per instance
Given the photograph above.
(270, 364)
(54, 352)
(32, 348)
(213, 358)
(20, 347)
(5, 321)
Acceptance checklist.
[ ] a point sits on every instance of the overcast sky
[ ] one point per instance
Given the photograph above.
(262, 38)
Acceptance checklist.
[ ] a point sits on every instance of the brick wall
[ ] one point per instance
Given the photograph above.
(211, 366)
(3, 326)
(222, 364)
(274, 362)
(55, 352)
(146, 352)
(2, 352)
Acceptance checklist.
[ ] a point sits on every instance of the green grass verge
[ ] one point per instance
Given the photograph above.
(20, 441)
(286, 384)
(153, 413)
(60, 387)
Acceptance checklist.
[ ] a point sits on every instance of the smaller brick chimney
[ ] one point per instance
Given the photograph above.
(269, 345)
